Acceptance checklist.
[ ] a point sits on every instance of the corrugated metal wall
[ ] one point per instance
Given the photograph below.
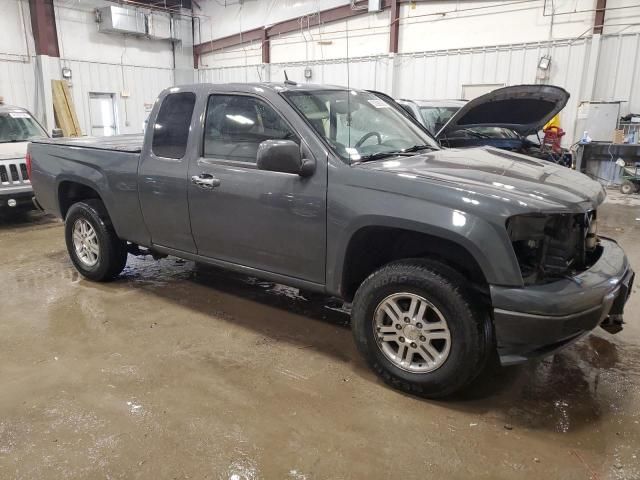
(437, 74)
(366, 72)
(17, 82)
(441, 74)
(17, 86)
(618, 76)
(142, 83)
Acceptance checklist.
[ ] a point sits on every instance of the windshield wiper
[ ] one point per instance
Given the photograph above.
(405, 152)
(416, 148)
(474, 133)
(379, 155)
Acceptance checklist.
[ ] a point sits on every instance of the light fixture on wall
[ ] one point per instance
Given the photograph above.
(544, 67)
(66, 73)
(544, 63)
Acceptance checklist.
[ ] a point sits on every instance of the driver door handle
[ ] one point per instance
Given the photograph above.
(205, 181)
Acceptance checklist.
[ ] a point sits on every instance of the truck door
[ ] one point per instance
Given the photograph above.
(162, 175)
(271, 221)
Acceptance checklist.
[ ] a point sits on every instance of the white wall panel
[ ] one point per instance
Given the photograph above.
(623, 16)
(17, 78)
(618, 76)
(79, 39)
(17, 83)
(441, 74)
(142, 83)
(240, 74)
(365, 73)
(438, 25)
(245, 54)
(221, 21)
(367, 34)
(14, 17)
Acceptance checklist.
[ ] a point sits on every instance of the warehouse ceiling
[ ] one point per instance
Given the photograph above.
(160, 4)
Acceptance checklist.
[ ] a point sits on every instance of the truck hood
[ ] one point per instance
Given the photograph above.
(522, 108)
(13, 150)
(523, 182)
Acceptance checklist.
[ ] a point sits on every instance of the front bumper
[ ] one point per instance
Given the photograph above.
(539, 320)
(14, 200)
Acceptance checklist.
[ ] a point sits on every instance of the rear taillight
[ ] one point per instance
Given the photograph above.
(27, 160)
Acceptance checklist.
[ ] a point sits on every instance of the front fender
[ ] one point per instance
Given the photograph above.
(487, 243)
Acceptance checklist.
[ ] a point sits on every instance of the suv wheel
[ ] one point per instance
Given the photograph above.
(417, 326)
(92, 243)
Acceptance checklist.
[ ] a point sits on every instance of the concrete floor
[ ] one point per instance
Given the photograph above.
(175, 371)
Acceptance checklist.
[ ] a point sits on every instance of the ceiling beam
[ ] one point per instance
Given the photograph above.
(43, 25)
(263, 34)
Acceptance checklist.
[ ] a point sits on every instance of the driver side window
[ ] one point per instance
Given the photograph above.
(235, 125)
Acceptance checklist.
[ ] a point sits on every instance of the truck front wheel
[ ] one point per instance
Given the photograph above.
(95, 249)
(419, 329)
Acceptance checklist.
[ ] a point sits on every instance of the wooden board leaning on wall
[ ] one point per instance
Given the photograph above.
(64, 109)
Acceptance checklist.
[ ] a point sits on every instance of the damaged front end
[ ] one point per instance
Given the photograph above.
(573, 282)
(550, 247)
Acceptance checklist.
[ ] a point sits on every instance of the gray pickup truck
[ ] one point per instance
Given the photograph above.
(448, 256)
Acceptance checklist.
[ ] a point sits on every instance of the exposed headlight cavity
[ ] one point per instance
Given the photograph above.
(549, 247)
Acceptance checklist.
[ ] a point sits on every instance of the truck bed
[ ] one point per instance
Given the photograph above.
(131, 143)
(108, 165)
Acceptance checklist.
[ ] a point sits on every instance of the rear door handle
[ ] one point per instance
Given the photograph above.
(205, 181)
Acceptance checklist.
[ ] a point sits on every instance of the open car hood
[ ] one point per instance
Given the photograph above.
(522, 108)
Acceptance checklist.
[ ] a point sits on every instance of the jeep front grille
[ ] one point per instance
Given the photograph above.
(14, 173)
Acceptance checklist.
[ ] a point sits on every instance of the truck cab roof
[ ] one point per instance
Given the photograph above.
(256, 86)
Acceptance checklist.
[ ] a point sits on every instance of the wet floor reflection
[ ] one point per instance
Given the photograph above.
(179, 365)
(563, 393)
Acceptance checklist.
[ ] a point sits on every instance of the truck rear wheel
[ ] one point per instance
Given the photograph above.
(418, 328)
(95, 249)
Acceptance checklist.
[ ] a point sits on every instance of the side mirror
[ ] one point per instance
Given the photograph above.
(283, 156)
(57, 133)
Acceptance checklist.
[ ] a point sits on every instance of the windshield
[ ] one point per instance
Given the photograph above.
(19, 127)
(435, 117)
(359, 125)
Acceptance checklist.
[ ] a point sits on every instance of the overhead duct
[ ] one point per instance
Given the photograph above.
(160, 27)
(114, 19)
(134, 21)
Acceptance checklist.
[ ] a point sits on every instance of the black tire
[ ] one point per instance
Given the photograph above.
(471, 339)
(112, 256)
(627, 187)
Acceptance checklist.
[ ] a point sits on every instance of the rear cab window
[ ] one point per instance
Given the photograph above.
(171, 129)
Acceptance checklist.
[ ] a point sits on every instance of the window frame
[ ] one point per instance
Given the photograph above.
(189, 132)
(238, 163)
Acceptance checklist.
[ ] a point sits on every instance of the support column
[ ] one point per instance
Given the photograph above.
(266, 47)
(589, 86)
(43, 24)
(394, 26)
(47, 69)
(47, 62)
(598, 21)
(184, 72)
